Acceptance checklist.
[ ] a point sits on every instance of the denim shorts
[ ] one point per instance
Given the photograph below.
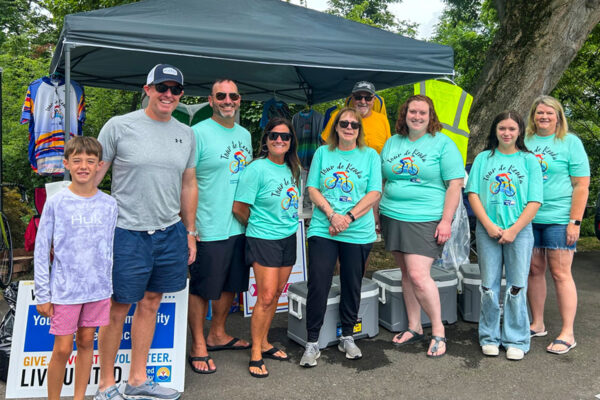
(551, 236)
(154, 261)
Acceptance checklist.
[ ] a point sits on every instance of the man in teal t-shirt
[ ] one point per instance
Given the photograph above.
(223, 149)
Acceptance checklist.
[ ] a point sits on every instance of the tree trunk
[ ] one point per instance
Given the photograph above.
(536, 42)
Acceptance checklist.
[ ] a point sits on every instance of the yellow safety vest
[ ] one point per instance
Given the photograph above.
(452, 105)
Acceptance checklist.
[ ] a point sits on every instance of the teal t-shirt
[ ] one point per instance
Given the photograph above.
(343, 178)
(221, 154)
(273, 196)
(505, 184)
(559, 161)
(415, 175)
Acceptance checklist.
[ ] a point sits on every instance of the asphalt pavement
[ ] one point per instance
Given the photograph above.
(386, 371)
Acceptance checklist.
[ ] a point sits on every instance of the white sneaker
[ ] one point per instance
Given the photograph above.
(311, 353)
(348, 346)
(490, 350)
(512, 353)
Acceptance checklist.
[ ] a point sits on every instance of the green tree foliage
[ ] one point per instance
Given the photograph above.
(468, 26)
(374, 13)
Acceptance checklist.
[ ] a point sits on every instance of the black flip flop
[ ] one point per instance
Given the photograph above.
(257, 364)
(228, 346)
(417, 337)
(271, 354)
(436, 344)
(205, 359)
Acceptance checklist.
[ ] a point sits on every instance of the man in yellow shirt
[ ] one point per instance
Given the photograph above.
(375, 125)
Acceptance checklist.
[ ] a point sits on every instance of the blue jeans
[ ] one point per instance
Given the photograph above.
(516, 257)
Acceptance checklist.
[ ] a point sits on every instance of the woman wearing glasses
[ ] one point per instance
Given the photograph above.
(344, 182)
(266, 201)
(423, 173)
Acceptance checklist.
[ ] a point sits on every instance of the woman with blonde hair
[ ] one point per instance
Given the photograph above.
(566, 176)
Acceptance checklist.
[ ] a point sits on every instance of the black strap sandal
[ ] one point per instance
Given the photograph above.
(257, 364)
(436, 344)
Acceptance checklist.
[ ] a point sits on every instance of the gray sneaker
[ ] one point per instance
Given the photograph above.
(347, 346)
(151, 391)
(111, 393)
(312, 352)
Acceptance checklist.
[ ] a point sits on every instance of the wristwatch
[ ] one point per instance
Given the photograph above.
(351, 216)
(193, 233)
(575, 222)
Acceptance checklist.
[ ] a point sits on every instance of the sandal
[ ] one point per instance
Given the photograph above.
(257, 364)
(272, 354)
(416, 337)
(568, 346)
(204, 359)
(436, 344)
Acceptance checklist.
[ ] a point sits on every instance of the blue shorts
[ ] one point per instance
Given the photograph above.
(551, 236)
(154, 261)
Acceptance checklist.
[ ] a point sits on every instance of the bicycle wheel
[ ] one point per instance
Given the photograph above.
(6, 254)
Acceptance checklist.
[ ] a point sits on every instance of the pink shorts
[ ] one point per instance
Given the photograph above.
(68, 318)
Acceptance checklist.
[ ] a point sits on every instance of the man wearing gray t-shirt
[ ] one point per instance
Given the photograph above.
(154, 182)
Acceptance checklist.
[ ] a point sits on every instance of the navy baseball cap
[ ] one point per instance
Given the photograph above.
(163, 73)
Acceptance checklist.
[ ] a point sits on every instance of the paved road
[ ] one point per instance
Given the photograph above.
(405, 373)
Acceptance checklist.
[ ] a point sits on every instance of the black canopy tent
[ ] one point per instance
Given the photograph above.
(268, 46)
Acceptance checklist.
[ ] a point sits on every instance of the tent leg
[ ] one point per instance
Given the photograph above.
(67, 100)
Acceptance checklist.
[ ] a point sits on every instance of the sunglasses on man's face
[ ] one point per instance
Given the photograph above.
(354, 125)
(221, 96)
(359, 97)
(285, 136)
(175, 90)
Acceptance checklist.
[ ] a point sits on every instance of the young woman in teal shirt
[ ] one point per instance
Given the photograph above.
(505, 192)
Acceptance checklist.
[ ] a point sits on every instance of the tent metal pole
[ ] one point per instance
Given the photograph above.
(67, 100)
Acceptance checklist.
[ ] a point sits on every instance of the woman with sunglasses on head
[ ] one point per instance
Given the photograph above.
(423, 174)
(566, 177)
(505, 192)
(344, 182)
(266, 201)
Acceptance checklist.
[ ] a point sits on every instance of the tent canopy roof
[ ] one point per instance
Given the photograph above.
(269, 47)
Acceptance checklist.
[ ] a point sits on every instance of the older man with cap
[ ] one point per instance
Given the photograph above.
(154, 182)
(375, 125)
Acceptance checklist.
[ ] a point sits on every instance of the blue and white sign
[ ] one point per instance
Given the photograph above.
(32, 348)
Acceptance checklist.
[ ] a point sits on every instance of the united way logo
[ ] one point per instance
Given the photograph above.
(163, 374)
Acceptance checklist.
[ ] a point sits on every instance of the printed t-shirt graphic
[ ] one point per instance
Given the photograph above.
(44, 109)
(343, 178)
(415, 173)
(505, 184)
(273, 197)
(559, 160)
(221, 155)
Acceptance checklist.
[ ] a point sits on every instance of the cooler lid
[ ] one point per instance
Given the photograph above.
(301, 289)
(443, 275)
(391, 277)
(470, 271)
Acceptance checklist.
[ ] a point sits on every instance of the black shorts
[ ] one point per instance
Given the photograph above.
(219, 267)
(271, 253)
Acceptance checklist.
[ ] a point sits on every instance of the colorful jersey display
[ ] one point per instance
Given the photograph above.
(505, 184)
(273, 197)
(415, 175)
(221, 155)
(44, 110)
(344, 178)
(559, 160)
